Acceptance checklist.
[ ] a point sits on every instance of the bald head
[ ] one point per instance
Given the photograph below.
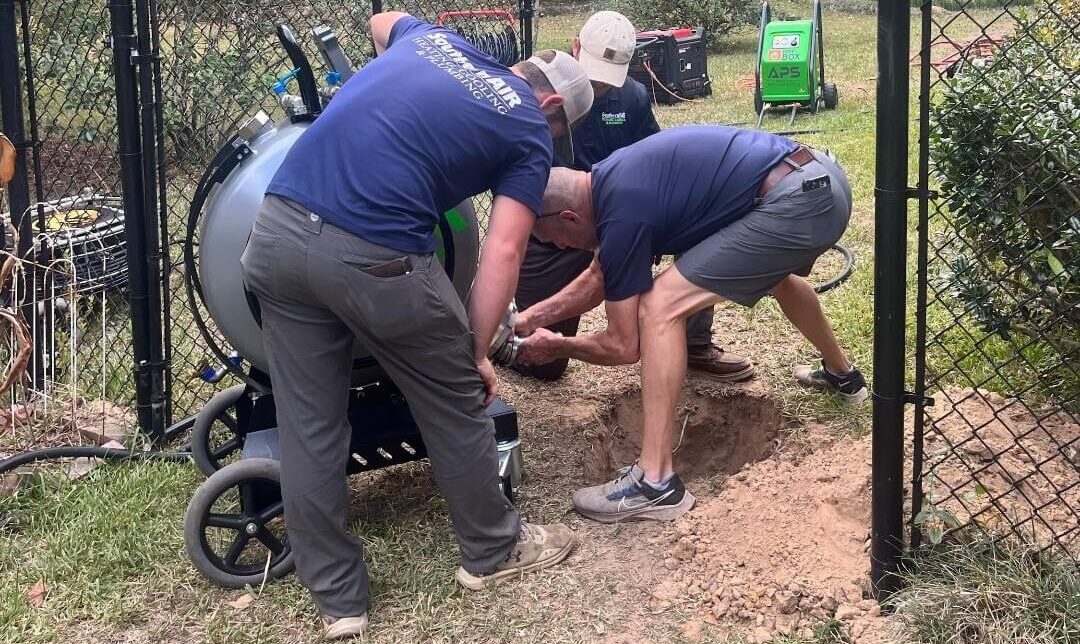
(566, 216)
(565, 191)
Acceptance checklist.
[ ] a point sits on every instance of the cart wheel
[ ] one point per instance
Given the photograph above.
(830, 95)
(758, 103)
(235, 524)
(215, 439)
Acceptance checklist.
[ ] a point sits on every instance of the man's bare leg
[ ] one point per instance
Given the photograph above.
(663, 312)
(650, 489)
(802, 307)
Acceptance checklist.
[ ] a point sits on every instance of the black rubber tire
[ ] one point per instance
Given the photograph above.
(208, 458)
(208, 562)
(830, 95)
(758, 103)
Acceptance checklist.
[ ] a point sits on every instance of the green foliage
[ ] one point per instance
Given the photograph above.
(1005, 147)
(718, 17)
(207, 71)
(985, 591)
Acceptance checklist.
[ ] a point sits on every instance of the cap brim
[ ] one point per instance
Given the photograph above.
(564, 149)
(603, 71)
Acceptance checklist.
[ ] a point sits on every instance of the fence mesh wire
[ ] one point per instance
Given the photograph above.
(75, 270)
(999, 305)
(216, 62)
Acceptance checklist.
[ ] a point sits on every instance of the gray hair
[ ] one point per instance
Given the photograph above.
(563, 192)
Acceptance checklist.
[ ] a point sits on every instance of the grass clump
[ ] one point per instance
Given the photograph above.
(980, 590)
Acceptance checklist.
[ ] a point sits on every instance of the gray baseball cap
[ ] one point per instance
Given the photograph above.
(570, 80)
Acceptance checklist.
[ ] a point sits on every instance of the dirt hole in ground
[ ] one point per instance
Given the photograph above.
(724, 432)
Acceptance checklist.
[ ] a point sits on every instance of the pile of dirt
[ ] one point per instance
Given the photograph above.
(782, 547)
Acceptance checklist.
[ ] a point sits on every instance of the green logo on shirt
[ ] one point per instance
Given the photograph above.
(613, 118)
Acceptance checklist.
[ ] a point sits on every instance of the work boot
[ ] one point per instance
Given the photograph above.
(851, 386)
(537, 547)
(713, 362)
(629, 497)
(339, 628)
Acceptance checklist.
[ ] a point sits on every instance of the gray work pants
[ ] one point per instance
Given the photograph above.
(315, 295)
(546, 270)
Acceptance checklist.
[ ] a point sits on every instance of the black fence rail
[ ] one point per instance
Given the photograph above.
(116, 108)
(998, 325)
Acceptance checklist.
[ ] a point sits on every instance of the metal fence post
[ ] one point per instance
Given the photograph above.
(526, 12)
(130, 155)
(11, 108)
(156, 246)
(18, 191)
(890, 272)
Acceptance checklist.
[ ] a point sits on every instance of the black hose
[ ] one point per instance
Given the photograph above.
(849, 267)
(50, 453)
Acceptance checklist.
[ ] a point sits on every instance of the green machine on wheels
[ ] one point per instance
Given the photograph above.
(791, 65)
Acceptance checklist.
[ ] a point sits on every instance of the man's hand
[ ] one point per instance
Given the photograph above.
(542, 347)
(491, 384)
(524, 324)
(496, 276)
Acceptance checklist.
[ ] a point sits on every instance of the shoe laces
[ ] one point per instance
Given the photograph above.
(623, 473)
(528, 532)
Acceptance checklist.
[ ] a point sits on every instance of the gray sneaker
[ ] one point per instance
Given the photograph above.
(629, 497)
(538, 546)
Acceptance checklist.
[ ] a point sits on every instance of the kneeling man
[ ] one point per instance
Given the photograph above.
(749, 211)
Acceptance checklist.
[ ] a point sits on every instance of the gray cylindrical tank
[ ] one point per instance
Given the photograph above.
(226, 225)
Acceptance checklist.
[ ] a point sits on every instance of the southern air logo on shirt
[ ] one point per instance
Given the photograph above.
(438, 50)
(613, 118)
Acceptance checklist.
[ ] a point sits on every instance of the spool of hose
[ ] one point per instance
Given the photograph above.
(498, 41)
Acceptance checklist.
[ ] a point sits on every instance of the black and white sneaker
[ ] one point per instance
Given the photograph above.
(629, 497)
(851, 386)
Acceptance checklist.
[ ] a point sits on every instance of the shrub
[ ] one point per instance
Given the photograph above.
(718, 17)
(1005, 147)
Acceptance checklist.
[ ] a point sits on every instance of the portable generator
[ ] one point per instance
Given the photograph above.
(791, 65)
(672, 63)
(233, 527)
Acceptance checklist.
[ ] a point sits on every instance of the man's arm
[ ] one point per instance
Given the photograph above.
(381, 25)
(617, 344)
(583, 294)
(496, 277)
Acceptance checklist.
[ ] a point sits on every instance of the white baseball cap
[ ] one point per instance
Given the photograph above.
(568, 78)
(607, 45)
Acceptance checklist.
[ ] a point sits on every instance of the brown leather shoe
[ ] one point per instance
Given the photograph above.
(713, 362)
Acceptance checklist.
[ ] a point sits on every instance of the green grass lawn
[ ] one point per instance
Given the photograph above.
(109, 550)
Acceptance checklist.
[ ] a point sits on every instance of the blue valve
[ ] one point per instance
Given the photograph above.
(283, 81)
(212, 374)
(333, 78)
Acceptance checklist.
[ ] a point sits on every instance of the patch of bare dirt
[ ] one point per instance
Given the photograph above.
(1005, 464)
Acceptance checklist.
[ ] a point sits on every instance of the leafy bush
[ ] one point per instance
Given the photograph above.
(718, 17)
(1006, 148)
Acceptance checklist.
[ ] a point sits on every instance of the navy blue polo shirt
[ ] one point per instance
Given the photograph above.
(622, 116)
(426, 124)
(666, 193)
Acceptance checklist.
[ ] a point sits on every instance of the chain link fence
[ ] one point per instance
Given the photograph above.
(998, 324)
(204, 66)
